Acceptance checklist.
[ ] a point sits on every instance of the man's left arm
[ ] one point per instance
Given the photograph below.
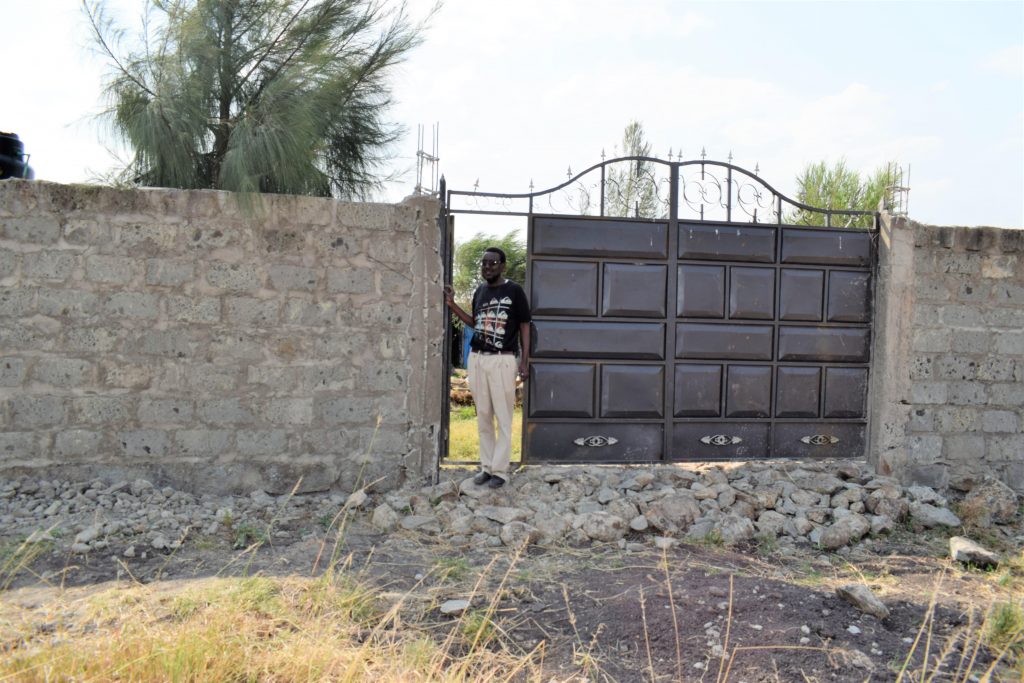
(524, 356)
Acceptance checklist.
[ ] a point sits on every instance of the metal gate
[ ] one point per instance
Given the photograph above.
(712, 330)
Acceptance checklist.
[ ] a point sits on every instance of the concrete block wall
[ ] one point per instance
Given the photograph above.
(947, 400)
(191, 339)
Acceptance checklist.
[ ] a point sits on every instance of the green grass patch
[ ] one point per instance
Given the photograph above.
(464, 440)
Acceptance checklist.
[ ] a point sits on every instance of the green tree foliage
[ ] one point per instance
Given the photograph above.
(281, 96)
(839, 187)
(630, 189)
(467, 263)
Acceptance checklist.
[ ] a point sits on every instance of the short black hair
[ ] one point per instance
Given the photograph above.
(496, 250)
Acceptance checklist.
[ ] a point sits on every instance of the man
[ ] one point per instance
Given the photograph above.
(501, 318)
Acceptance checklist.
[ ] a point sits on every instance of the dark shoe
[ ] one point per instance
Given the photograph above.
(495, 482)
(482, 478)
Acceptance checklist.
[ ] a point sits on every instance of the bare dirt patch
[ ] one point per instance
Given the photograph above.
(691, 613)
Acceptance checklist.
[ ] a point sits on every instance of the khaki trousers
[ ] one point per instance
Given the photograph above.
(492, 379)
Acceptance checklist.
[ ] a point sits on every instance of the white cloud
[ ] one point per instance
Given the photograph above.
(1008, 60)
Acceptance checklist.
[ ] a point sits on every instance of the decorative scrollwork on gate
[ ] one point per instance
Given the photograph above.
(596, 441)
(819, 439)
(720, 440)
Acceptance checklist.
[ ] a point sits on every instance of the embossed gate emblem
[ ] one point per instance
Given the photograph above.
(720, 440)
(596, 441)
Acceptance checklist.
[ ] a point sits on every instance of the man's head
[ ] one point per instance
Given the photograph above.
(492, 265)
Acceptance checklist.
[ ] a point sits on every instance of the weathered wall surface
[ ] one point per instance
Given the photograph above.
(179, 336)
(947, 399)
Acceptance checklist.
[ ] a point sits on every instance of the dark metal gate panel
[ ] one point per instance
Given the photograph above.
(759, 350)
(682, 339)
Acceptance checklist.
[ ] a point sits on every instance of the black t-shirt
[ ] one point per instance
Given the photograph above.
(498, 311)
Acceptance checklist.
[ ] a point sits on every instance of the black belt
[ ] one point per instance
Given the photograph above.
(495, 353)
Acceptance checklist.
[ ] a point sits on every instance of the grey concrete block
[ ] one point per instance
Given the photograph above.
(193, 309)
(171, 343)
(973, 291)
(13, 371)
(49, 265)
(15, 336)
(961, 447)
(203, 442)
(37, 411)
(971, 341)
(93, 339)
(1000, 421)
(17, 303)
(1008, 293)
(144, 443)
(1006, 394)
(132, 305)
(344, 410)
(233, 276)
(222, 411)
(1009, 318)
(350, 280)
(117, 270)
(169, 272)
(64, 372)
(249, 311)
(384, 376)
(262, 442)
(96, 410)
(381, 314)
(88, 233)
(165, 411)
(276, 377)
(926, 315)
(925, 448)
(397, 252)
(339, 344)
(1005, 448)
(996, 369)
(394, 283)
(309, 313)
(78, 442)
(293, 411)
(949, 420)
(967, 393)
(332, 377)
(73, 303)
(337, 440)
(921, 420)
(19, 445)
(959, 315)
(928, 392)
(287, 277)
(931, 340)
(120, 375)
(956, 368)
(962, 264)
(212, 379)
(8, 263)
(922, 367)
(37, 229)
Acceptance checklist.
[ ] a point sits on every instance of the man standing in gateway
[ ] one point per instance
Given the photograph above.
(501, 318)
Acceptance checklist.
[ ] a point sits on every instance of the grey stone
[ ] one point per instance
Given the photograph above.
(861, 597)
(286, 277)
(12, 371)
(638, 523)
(991, 502)
(426, 523)
(819, 483)
(136, 305)
(350, 281)
(881, 524)
(673, 513)
(454, 607)
(503, 515)
(926, 494)
(64, 372)
(604, 527)
(735, 529)
(552, 528)
(48, 265)
(964, 550)
(517, 534)
(17, 303)
(37, 411)
(193, 309)
(664, 542)
(251, 311)
(168, 272)
(845, 530)
(770, 523)
(931, 516)
(233, 276)
(110, 269)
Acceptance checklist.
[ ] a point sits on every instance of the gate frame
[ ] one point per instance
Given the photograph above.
(733, 200)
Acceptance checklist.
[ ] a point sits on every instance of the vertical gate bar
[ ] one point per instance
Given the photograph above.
(602, 191)
(524, 455)
(728, 197)
(445, 225)
(671, 307)
(778, 204)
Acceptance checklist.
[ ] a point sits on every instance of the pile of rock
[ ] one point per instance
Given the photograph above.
(830, 505)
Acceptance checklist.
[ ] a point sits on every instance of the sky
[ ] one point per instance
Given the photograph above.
(521, 91)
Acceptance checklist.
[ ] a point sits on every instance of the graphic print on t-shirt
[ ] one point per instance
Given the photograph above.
(490, 321)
